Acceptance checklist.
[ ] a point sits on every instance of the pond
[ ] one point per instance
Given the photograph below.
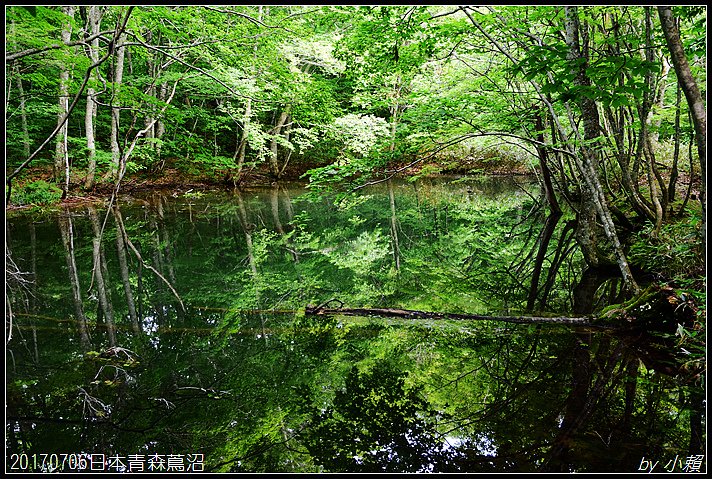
(169, 333)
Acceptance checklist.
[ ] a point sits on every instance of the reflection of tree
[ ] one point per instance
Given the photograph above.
(579, 413)
(100, 274)
(33, 286)
(121, 231)
(157, 253)
(394, 225)
(274, 202)
(476, 398)
(20, 288)
(377, 424)
(66, 228)
(247, 230)
(123, 268)
(546, 234)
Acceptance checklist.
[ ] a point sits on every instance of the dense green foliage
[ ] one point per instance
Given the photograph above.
(603, 105)
(426, 72)
(585, 96)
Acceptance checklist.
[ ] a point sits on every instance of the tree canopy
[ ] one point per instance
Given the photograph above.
(604, 103)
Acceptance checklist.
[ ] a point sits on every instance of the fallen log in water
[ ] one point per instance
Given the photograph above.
(321, 310)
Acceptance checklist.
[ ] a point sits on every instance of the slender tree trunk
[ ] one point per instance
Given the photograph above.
(544, 166)
(117, 78)
(274, 146)
(274, 203)
(587, 234)
(93, 26)
(151, 68)
(61, 160)
(692, 94)
(242, 217)
(160, 125)
(246, 118)
(67, 230)
(23, 118)
(394, 110)
(242, 145)
(287, 204)
(674, 173)
(646, 120)
(21, 93)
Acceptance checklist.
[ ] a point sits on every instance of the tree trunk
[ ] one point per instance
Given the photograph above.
(61, 160)
(586, 232)
(246, 118)
(160, 125)
(674, 173)
(242, 147)
(242, 217)
(151, 70)
(645, 134)
(92, 28)
(274, 201)
(157, 258)
(274, 148)
(692, 94)
(592, 190)
(544, 166)
(23, 118)
(117, 79)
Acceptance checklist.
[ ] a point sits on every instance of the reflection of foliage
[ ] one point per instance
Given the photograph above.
(271, 391)
(376, 424)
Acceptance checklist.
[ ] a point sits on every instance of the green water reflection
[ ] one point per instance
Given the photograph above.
(174, 325)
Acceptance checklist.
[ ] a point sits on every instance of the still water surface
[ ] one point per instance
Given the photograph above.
(169, 334)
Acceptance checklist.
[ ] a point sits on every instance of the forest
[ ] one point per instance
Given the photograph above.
(600, 110)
